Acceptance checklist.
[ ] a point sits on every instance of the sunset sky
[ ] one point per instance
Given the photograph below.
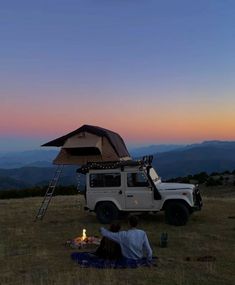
(155, 71)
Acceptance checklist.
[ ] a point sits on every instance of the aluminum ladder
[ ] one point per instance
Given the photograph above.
(49, 193)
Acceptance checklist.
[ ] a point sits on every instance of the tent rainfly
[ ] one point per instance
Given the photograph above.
(89, 144)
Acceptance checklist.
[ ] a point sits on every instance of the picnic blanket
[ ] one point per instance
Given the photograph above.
(86, 259)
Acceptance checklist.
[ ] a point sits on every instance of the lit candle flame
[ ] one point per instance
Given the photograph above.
(83, 234)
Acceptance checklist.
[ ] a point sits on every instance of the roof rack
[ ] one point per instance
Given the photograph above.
(146, 161)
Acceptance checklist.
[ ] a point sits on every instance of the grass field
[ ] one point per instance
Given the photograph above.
(34, 252)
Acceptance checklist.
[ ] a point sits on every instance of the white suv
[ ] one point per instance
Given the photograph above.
(117, 188)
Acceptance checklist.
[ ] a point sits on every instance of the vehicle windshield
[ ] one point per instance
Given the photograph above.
(153, 174)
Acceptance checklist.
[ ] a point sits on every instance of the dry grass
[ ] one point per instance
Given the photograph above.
(34, 252)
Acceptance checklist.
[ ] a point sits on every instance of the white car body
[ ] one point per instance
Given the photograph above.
(136, 198)
(147, 194)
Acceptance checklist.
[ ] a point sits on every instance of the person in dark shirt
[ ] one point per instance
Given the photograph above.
(109, 249)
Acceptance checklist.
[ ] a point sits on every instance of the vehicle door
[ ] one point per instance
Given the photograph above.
(106, 186)
(138, 191)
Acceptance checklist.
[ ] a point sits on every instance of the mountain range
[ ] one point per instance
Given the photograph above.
(209, 156)
(40, 158)
(26, 177)
(34, 168)
(153, 149)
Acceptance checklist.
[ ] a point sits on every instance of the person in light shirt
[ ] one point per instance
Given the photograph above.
(134, 242)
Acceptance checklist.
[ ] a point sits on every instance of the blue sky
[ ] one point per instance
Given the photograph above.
(141, 68)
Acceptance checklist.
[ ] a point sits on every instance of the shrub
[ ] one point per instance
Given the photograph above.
(215, 174)
(201, 177)
(213, 182)
(221, 178)
(226, 172)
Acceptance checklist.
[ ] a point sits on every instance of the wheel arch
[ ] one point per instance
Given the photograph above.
(179, 201)
(108, 200)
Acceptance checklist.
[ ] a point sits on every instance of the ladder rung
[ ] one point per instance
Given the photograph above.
(46, 201)
(43, 207)
(51, 186)
(50, 189)
(42, 210)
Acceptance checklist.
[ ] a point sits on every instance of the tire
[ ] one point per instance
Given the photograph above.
(176, 213)
(106, 212)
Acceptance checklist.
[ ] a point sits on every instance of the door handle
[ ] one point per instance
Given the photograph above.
(120, 192)
(129, 195)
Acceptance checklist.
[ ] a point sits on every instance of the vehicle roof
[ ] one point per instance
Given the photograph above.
(104, 166)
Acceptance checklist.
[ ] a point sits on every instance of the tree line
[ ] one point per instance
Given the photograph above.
(213, 179)
(37, 192)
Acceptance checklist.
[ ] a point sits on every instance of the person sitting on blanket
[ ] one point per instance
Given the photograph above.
(109, 249)
(134, 242)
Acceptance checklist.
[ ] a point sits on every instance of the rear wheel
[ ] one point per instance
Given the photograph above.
(106, 212)
(176, 213)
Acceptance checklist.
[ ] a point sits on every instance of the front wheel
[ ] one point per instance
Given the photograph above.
(106, 212)
(176, 213)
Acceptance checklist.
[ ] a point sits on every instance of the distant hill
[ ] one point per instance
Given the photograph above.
(40, 158)
(153, 149)
(209, 156)
(8, 183)
(24, 177)
(44, 158)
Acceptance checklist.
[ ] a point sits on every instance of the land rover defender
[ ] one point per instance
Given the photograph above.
(114, 189)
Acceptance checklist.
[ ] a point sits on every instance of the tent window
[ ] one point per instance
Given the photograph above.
(105, 180)
(83, 151)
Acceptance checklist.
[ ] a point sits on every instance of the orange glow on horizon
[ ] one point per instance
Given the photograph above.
(142, 132)
(135, 121)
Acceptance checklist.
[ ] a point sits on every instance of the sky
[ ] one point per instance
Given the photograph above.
(154, 71)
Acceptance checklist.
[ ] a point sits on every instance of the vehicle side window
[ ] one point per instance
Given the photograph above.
(105, 180)
(137, 179)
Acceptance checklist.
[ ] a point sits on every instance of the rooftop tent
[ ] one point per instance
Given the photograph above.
(89, 144)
